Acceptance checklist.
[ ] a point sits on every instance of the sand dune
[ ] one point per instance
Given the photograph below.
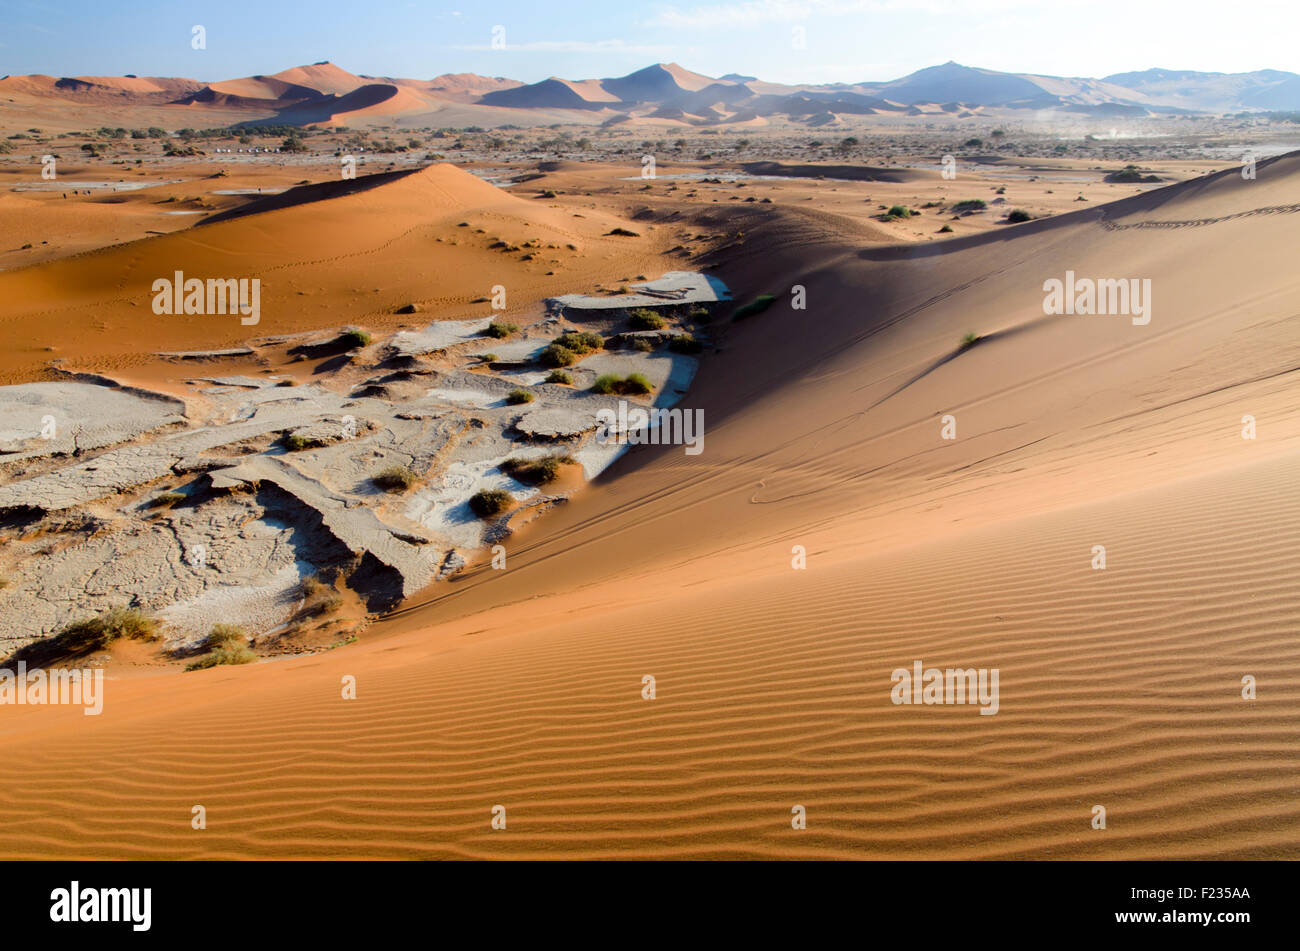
(1119, 687)
(404, 233)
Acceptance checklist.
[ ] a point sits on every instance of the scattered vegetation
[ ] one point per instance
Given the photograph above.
(569, 347)
(536, 471)
(498, 329)
(759, 304)
(486, 503)
(559, 376)
(1131, 174)
(223, 656)
(685, 343)
(970, 204)
(634, 384)
(518, 397)
(394, 479)
(644, 319)
(1018, 215)
(227, 636)
(297, 442)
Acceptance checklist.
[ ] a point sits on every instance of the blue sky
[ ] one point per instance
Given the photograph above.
(842, 40)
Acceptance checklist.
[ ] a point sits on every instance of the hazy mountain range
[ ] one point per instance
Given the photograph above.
(662, 93)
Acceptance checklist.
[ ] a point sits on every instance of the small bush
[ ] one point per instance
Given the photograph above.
(113, 625)
(486, 503)
(580, 342)
(623, 233)
(969, 340)
(685, 343)
(498, 330)
(487, 357)
(759, 304)
(227, 635)
(168, 498)
(636, 383)
(643, 319)
(946, 229)
(394, 479)
(536, 471)
(970, 204)
(642, 346)
(559, 376)
(557, 356)
(354, 338)
(633, 384)
(1019, 215)
(223, 656)
(700, 315)
(550, 193)
(518, 397)
(898, 211)
(296, 442)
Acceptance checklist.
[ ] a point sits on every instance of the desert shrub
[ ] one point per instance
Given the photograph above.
(486, 503)
(559, 376)
(632, 384)
(643, 319)
(487, 357)
(970, 204)
(536, 471)
(354, 338)
(642, 346)
(112, 625)
(223, 656)
(550, 193)
(636, 383)
(498, 330)
(1018, 215)
(623, 233)
(517, 397)
(296, 442)
(557, 356)
(700, 315)
(580, 342)
(759, 304)
(946, 229)
(898, 211)
(168, 498)
(394, 479)
(685, 343)
(606, 383)
(969, 340)
(227, 635)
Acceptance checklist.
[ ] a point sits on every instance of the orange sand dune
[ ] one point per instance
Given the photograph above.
(523, 688)
(348, 260)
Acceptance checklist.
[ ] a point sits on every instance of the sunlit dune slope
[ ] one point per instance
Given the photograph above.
(523, 688)
(352, 259)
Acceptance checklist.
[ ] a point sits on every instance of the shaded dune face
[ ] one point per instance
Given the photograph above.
(1120, 687)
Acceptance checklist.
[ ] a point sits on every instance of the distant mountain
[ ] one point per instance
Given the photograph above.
(1215, 92)
(324, 93)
